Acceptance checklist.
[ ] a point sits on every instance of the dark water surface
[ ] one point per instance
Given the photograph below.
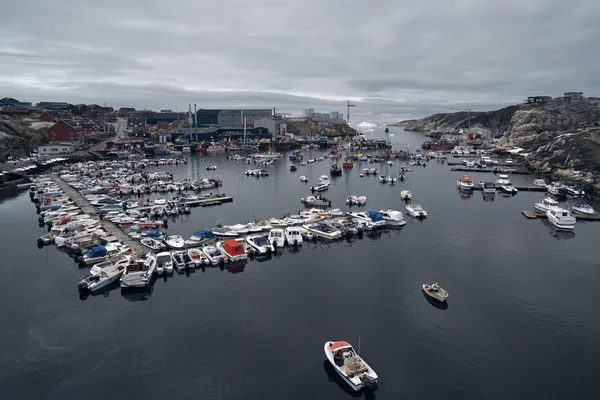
(522, 319)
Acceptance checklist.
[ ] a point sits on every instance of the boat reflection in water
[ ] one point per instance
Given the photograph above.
(437, 304)
(488, 196)
(104, 292)
(236, 267)
(139, 293)
(343, 385)
(558, 234)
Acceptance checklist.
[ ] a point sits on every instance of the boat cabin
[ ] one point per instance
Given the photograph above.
(345, 356)
(233, 248)
(97, 251)
(375, 216)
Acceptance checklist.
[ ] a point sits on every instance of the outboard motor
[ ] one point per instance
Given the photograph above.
(82, 286)
(369, 382)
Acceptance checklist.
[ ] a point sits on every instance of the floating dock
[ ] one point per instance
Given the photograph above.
(541, 215)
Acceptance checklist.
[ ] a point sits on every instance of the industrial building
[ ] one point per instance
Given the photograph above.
(333, 116)
(56, 148)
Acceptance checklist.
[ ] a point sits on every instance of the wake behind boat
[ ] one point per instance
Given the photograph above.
(350, 366)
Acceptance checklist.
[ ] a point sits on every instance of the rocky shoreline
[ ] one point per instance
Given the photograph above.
(559, 138)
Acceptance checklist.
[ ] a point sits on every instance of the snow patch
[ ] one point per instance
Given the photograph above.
(367, 125)
(40, 125)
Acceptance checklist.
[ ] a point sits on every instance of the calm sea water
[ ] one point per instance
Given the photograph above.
(521, 321)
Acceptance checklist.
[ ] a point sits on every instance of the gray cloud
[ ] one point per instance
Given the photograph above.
(393, 58)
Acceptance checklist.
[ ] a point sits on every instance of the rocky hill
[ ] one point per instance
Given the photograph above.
(555, 133)
(18, 139)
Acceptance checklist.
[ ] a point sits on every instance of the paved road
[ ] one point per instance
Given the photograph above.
(120, 126)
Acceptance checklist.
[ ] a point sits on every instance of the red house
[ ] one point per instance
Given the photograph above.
(63, 131)
(50, 116)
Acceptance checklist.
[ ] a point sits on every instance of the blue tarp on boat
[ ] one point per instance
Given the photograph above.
(375, 215)
(97, 251)
(205, 233)
(154, 234)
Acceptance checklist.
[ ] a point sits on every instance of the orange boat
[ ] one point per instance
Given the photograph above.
(465, 183)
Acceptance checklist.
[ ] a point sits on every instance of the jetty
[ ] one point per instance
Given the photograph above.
(87, 208)
(541, 215)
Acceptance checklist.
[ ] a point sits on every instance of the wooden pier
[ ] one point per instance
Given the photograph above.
(541, 215)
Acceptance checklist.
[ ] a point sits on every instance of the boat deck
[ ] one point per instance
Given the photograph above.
(520, 188)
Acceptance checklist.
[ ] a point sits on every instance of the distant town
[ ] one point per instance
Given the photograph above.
(63, 128)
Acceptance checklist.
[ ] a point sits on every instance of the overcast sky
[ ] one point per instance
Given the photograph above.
(394, 58)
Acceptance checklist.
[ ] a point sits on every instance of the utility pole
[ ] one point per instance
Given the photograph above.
(348, 105)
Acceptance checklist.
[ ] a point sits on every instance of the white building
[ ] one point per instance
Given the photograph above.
(56, 148)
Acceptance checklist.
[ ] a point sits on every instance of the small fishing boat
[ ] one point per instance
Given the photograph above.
(582, 207)
(178, 258)
(214, 255)
(322, 187)
(200, 237)
(557, 189)
(350, 200)
(197, 257)
(304, 178)
(405, 195)
(416, 211)
(139, 272)
(115, 261)
(382, 179)
(293, 168)
(46, 239)
(277, 237)
(335, 170)
(435, 292)
(174, 242)
(324, 231)
(293, 236)
(390, 162)
(164, 263)
(539, 182)
(153, 244)
(350, 366)
(361, 200)
(488, 187)
(224, 233)
(306, 235)
(316, 201)
(465, 183)
(575, 191)
(233, 250)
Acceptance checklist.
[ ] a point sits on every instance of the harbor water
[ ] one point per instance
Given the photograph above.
(521, 321)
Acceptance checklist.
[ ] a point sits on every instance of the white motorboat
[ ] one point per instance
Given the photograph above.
(324, 231)
(197, 257)
(277, 237)
(575, 191)
(224, 233)
(465, 183)
(106, 276)
(405, 195)
(260, 244)
(152, 244)
(139, 272)
(47, 239)
(178, 258)
(324, 180)
(316, 201)
(240, 229)
(350, 366)
(435, 291)
(390, 162)
(416, 211)
(539, 182)
(115, 261)
(382, 179)
(336, 212)
(502, 180)
(304, 178)
(561, 218)
(306, 235)
(391, 179)
(293, 236)
(361, 200)
(546, 204)
(233, 249)
(174, 242)
(201, 237)
(509, 189)
(321, 187)
(100, 253)
(557, 189)
(582, 207)
(373, 218)
(214, 255)
(392, 217)
(350, 200)
(160, 202)
(164, 263)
